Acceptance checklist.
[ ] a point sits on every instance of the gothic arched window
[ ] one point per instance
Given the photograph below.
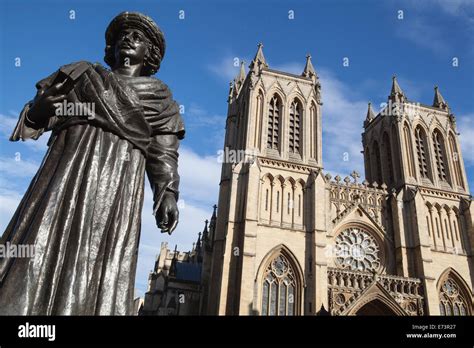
(378, 163)
(388, 159)
(368, 163)
(313, 129)
(266, 198)
(456, 161)
(408, 151)
(421, 146)
(280, 288)
(452, 299)
(274, 115)
(439, 151)
(258, 120)
(295, 125)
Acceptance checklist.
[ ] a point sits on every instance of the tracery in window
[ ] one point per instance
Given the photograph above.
(279, 288)
(452, 301)
(274, 115)
(420, 140)
(438, 145)
(357, 250)
(295, 120)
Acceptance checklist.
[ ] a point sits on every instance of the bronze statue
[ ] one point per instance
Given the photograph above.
(82, 210)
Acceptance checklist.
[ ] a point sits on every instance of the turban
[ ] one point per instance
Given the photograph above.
(135, 20)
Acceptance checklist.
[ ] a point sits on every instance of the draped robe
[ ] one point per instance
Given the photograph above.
(82, 210)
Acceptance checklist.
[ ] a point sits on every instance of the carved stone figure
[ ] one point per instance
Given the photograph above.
(82, 210)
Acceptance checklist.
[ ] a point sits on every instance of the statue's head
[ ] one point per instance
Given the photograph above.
(136, 37)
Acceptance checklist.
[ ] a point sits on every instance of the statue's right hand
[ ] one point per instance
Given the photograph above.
(43, 105)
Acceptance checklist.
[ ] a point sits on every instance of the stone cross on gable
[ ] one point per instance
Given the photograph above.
(355, 175)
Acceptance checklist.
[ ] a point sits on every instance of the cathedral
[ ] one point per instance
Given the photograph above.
(288, 239)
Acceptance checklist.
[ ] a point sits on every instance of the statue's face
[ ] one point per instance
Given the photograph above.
(131, 47)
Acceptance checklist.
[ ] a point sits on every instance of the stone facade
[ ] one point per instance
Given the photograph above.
(291, 240)
(174, 285)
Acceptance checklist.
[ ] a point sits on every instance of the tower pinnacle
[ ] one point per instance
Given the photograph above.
(438, 101)
(309, 69)
(259, 61)
(396, 94)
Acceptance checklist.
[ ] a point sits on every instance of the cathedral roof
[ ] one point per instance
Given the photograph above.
(188, 271)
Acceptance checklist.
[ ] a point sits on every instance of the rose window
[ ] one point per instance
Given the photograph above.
(357, 250)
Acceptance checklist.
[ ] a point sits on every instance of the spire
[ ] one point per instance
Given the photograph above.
(198, 243)
(309, 69)
(212, 229)
(370, 115)
(198, 249)
(396, 94)
(214, 215)
(205, 231)
(438, 101)
(240, 78)
(259, 61)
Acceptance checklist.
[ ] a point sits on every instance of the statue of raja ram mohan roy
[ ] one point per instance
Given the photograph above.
(82, 209)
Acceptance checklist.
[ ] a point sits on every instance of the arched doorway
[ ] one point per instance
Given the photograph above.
(375, 307)
(375, 301)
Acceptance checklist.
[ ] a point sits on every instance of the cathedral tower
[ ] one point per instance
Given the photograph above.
(274, 118)
(414, 149)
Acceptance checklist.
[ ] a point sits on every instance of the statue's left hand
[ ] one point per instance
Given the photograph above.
(167, 214)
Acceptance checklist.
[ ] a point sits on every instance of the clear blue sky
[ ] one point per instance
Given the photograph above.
(199, 65)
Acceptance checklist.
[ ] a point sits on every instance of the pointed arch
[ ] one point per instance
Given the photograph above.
(438, 221)
(313, 131)
(242, 122)
(280, 283)
(266, 196)
(457, 226)
(295, 126)
(277, 199)
(377, 167)
(380, 299)
(455, 296)
(456, 162)
(298, 211)
(431, 228)
(421, 143)
(368, 163)
(388, 160)
(408, 146)
(440, 155)
(288, 201)
(260, 102)
(275, 112)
